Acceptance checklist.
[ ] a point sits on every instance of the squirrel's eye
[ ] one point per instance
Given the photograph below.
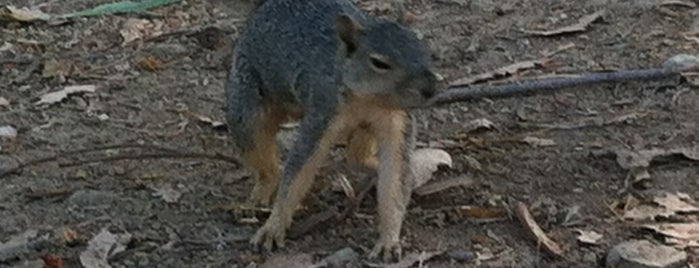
(379, 64)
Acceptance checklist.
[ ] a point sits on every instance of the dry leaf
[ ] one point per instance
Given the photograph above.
(589, 237)
(102, 247)
(502, 71)
(135, 29)
(479, 124)
(680, 231)
(166, 192)
(580, 26)
(8, 132)
(150, 63)
(637, 161)
(424, 162)
(669, 205)
(678, 3)
(538, 142)
(58, 96)
(53, 67)
(23, 14)
(52, 261)
(679, 202)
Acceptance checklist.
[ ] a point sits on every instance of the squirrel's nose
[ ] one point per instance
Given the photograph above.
(428, 92)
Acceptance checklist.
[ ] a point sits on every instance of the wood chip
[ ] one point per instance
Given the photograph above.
(535, 231)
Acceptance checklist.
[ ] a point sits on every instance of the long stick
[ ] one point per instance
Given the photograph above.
(537, 87)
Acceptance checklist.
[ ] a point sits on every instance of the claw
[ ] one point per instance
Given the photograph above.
(388, 250)
(269, 235)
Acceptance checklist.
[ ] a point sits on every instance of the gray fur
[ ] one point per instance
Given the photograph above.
(291, 54)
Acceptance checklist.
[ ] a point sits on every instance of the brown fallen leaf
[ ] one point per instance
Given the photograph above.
(579, 26)
(668, 204)
(53, 67)
(502, 71)
(678, 202)
(424, 162)
(58, 96)
(535, 231)
(588, 237)
(637, 162)
(150, 63)
(138, 29)
(52, 261)
(682, 233)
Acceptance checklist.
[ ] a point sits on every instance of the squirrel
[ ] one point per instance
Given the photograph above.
(344, 75)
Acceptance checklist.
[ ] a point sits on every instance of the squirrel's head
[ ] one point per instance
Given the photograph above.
(385, 59)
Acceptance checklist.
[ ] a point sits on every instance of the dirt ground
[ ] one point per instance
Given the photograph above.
(178, 211)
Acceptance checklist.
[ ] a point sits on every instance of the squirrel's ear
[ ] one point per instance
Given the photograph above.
(348, 30)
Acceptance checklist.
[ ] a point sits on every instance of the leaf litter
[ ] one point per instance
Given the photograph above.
(103, 246)
(500, 72)
(581, 25)
(424, 162)
(589, 237)
(58, 96)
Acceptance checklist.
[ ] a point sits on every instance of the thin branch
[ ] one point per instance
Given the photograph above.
(537, 87)
(164, 153)
(151, 156)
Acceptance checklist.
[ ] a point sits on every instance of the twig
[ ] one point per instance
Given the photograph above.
(331, 213)
(535, 231)
(528, 88)
(165, 153)
(151, 156)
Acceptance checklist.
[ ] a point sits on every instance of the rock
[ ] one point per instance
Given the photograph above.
(342, 257)
(644, 254)
(16, 245)
(462, 255)
(681, 62)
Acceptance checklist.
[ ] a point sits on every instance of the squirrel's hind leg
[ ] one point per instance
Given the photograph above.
(254, 126)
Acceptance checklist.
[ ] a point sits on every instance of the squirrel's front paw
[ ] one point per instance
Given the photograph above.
(269, 235)
(388, 249)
